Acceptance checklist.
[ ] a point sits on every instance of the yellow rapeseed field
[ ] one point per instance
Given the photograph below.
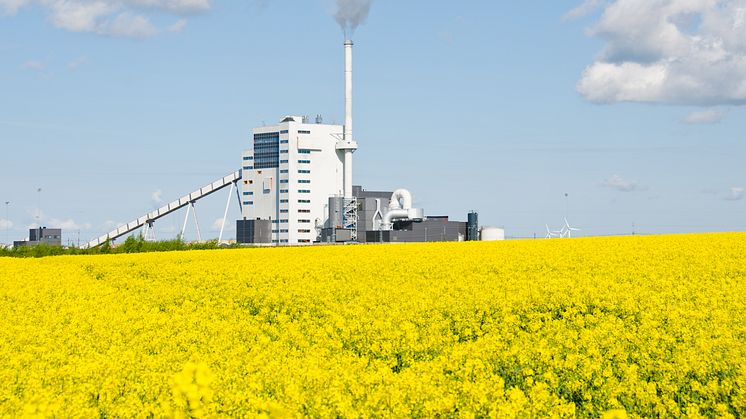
(638, 326)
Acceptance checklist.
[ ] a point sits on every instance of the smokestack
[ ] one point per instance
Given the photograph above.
(348, 91)
(348, 144)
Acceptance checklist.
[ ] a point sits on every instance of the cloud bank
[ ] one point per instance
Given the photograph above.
(127, 18)
(735, 194)
(680, 52)
(707, 116)
(620, 184)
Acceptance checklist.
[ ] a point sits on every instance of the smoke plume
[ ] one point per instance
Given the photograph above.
(352, 13)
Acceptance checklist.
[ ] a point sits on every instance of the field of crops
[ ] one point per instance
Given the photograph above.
(652, 326)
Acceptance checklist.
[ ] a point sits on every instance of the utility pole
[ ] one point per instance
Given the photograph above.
(38, 207)
(7, 223)
(566, 198)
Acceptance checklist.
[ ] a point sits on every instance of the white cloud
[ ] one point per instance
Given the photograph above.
(34, 65)
(111, 224)
(178, 26)
(5, 224)
(132, 26)
(588, 7)
(735, 194)
(157, 197)
(68, 224)
(127, 18)
(682, 52)
(707, 116)
(75, 64)
(10, 7)
(618, 183)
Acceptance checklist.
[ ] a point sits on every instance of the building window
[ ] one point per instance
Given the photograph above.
(284, 171)
(304, 181)
(304, 161)
(284, 131)
(304, 241)
(248, 193)
(283, 211)
(304, 151)
(304, 191)
(248, 202)
(283, 141)
(304, 221)
(248, 167)
(303, 132)
(283, 201)
(266, 150)
(304, 172)
(304, 231)
(283, 152)
(304, 211)
(284, 231)
(248, 158)
(304, 201)
(279, 221)
(283, 161)
(284, 191)
(284, 181)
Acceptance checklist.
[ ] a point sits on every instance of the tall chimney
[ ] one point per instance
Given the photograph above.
(348, 144)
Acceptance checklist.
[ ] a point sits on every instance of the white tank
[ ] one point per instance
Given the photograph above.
(491, 234)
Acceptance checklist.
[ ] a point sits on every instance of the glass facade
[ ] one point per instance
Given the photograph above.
(267, 150)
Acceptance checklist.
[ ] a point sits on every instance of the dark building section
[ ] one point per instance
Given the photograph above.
(254, 231)
(42, 235)
(432, 229)
(372, 205)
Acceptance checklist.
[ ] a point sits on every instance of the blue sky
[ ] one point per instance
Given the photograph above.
(501, 107)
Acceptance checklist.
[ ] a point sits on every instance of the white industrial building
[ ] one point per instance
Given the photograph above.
(295, 187)
(289, 175)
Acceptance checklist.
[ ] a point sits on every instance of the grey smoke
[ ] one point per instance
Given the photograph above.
(352, 13)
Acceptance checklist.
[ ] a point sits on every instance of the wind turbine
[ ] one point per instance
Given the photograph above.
(567, 229)
(552, 234)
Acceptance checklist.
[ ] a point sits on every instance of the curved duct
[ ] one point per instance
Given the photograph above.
(400, 199)
(400, 208)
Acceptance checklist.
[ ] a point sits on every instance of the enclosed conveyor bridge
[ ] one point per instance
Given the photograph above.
(148, 219)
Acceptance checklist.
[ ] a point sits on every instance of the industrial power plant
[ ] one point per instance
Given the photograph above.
(295, 187)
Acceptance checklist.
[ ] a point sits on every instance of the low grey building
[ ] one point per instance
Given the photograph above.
(42, 235)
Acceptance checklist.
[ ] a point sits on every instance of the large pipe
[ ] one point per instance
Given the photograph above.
(401, 199)
(348, 121)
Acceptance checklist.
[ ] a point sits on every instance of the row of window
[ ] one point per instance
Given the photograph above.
(283, 141)
(304, 181)
(304, 151)
(248, 193)
(300, 201)
(248, 202)
(266, 161)
(303, 132)
(248, 158)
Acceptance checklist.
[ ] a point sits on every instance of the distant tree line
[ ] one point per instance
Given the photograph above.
(131, 245)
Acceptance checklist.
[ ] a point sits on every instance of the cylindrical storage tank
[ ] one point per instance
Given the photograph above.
(491, 234)
(472, 226)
